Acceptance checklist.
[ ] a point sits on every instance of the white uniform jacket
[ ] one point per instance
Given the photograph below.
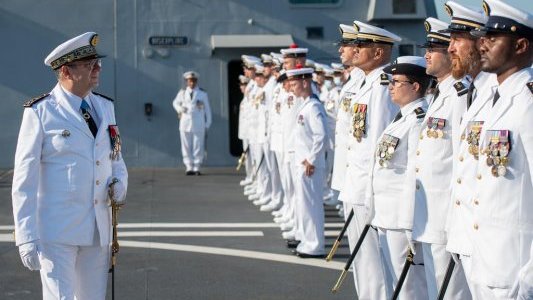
(342, 127)
(459, 219)
(195, 112)
(310, 133)
(433, 165)
(247, 118)
(502, 226)
(275, 119)
(62, 172)
(260, 107)
(389, 186)
(380, 111)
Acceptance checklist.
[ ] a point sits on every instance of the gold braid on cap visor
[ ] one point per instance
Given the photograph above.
(77, 54)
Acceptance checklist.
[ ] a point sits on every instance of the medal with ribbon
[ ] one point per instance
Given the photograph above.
(435, 127)
(346, 102)
(497, 151)
(301, 120)
(290, 101)
(472, 137)
(386, 148)
(359, 121)
(116, 143)
(278, 107)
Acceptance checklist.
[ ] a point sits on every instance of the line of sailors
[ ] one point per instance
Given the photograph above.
(434, 152)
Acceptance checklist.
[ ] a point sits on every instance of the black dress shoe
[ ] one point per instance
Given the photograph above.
(197, 173)
(188, 173)
(292, 243)
(305, 255)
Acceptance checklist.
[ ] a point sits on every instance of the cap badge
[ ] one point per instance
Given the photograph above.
(94, 40)
(428, 26)
(448, 10)
(486, 8)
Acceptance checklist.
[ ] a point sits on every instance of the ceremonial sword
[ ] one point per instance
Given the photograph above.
(447, 278)
(403, 275)
(339, 238)
(114, 222)
(350, 260)
(258, 166)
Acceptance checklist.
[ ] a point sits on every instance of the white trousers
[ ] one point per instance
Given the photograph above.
(260, 170)
(369, 273)
(296, 212)
(310, 210)
(288, 188)
(276, 192)
(393, 244)
(192, 149)
(248, 161)
(483, 292)
(436, 260)
(328, 192)
(74, 272)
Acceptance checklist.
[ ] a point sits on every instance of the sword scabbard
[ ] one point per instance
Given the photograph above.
(333, 250)
(339, 281)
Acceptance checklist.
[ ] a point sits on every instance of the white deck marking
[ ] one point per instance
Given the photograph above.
(211, 225)
(189, 233)
(282, 258)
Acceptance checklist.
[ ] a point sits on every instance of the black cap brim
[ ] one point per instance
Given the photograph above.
(405, 69)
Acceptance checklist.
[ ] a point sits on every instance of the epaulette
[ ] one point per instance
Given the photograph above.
(32, 101)
(420, 113)
(460, 88)
(384, 79)
(530, 86)
(103, 96)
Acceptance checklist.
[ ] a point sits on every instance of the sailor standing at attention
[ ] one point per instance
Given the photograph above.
(192, 106)
(501, 228)
(68, 165)
(433, 166)
(309, 163)
(389, 188)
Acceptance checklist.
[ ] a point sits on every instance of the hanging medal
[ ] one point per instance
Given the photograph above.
(116, 143)
(472, 137)
(278, 107)
(346, 104)
(497, 151)
(386, 148)
(290, 101)
(330, 105)
(359, 121)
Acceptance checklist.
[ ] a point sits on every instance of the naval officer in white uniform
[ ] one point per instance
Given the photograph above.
(68, 157)
(389, 188)
(194, 112)
(434, 166)
(501, 229)
(309, 163)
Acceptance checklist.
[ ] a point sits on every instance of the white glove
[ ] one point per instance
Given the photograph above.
(117, 191)
(409, 235)
(29, 256)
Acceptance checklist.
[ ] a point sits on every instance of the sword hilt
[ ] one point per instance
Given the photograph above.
(339, 281)
(333, 250)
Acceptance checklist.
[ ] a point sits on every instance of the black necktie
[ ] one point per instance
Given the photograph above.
(88, 118)
(398, 116)
(495, 99)
(469, 95)
(436, 95)
(191, 94)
